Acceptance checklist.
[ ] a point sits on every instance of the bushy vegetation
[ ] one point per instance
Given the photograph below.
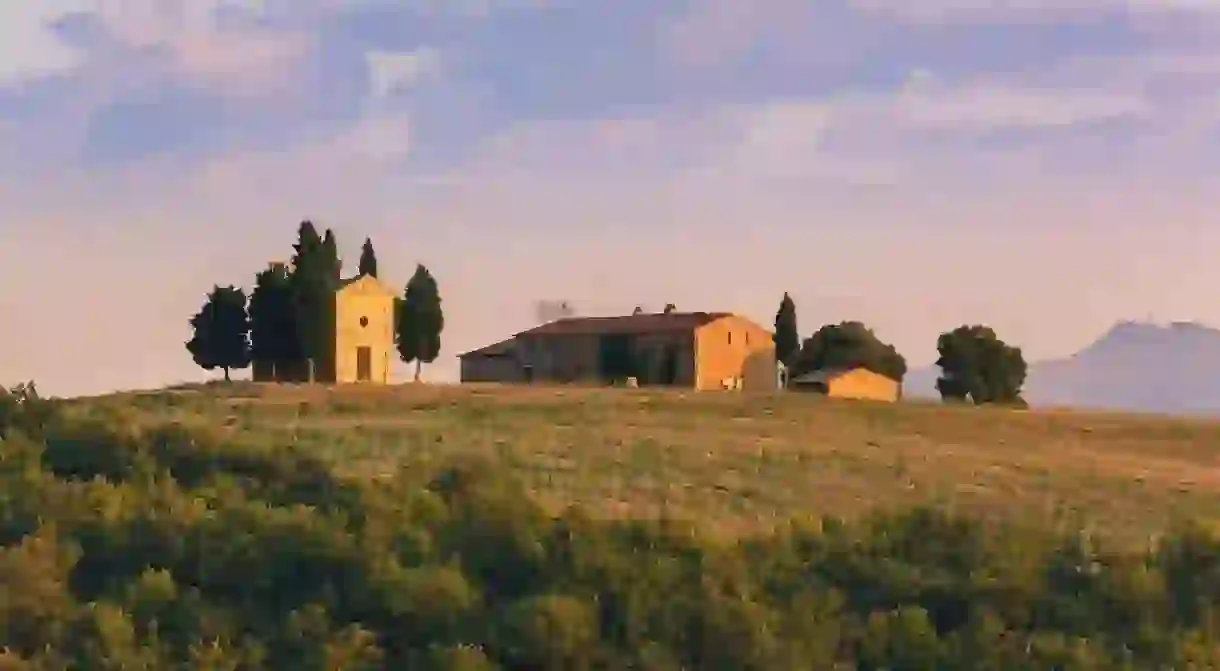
(848, 345)
(158, 548)
(221, 332)
(976, 366)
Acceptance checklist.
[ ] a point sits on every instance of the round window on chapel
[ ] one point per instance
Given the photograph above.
(364, 321)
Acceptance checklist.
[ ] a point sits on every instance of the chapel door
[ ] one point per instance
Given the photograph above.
(364, 364)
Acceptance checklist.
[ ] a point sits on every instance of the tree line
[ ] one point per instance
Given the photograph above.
(976, 365)
(173, 549)
(283, 324)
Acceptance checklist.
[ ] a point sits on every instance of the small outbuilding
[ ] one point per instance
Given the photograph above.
(857, 383)
(494, 363)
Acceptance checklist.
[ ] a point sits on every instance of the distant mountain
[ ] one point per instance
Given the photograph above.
(1135, 366)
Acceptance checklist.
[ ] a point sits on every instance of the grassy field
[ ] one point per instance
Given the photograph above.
(737, 462)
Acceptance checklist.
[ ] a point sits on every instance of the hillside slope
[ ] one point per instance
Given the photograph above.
(738, 462)
(130, 543)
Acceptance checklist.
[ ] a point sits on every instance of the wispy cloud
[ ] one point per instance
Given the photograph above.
(29, 45)
(1002, 11)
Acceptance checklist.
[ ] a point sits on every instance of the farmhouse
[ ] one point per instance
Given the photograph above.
(858, 383)
(360, 339)
(698, 350)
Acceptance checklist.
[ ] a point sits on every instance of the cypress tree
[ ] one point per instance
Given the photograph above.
(312, 283)
(787, 337)
(330, 255)
(420, 320)
(274, 340)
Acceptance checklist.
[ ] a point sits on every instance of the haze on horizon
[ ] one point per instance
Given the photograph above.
(1044, 170)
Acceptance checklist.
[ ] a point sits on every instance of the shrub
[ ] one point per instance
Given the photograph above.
(162, 549)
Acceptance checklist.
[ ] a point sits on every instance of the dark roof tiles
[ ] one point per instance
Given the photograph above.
(502, 348)
(639, 323)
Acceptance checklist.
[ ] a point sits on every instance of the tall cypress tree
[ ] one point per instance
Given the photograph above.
(787, 337)
(222, 331)
(420, 320)
(330, 254)
(274, 339)
(311, 283)
(368, 259)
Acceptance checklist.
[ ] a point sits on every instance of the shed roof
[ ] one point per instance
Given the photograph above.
(827, 374)
(640, 323)
(502, 348)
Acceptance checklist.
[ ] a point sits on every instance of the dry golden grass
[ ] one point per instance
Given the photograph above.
(740, 461)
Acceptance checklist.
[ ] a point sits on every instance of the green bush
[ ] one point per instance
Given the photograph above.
(165, 549)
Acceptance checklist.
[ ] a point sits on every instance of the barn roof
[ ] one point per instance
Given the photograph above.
(638, 323)
(502, 348)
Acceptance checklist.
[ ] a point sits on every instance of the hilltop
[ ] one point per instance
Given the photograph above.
(738, 462)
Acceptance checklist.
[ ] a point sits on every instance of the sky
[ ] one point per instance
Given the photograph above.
(1046, 167)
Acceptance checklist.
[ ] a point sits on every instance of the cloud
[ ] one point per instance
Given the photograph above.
(184, 78)
(863, 138)
(189, 37)
(241, 64)
(29, 46)
(820, 42)
(969, 11)
(987, 106)
(394, 71)
(713, 32)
